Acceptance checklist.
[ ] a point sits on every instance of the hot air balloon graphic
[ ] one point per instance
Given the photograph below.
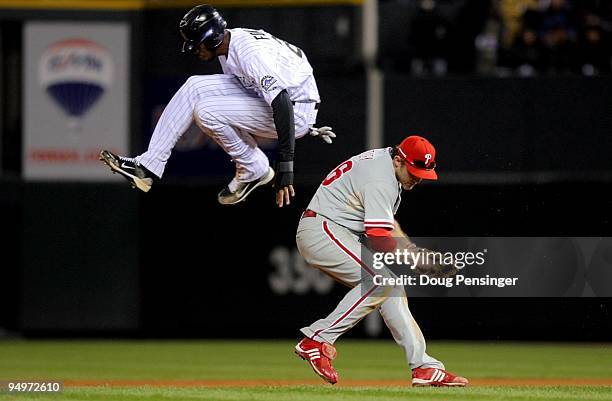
(76, 73)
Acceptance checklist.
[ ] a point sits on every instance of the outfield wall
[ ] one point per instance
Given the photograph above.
(105, 260)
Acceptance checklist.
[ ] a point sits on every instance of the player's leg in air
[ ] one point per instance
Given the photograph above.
(223, 109)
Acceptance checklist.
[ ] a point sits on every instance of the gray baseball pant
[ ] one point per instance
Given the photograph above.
(336, 251)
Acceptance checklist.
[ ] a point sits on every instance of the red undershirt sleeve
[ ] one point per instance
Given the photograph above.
(380, 239)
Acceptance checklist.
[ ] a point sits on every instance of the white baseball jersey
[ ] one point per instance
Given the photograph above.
(234, 107)
(267, 65)
(361, 193)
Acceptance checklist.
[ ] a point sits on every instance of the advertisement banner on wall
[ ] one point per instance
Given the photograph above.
(76, 98)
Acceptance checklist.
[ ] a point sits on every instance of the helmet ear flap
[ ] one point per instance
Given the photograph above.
(215, 38)
(189, 47)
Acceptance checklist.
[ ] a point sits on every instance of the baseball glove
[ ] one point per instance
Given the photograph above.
(436, 269)
(432, 267)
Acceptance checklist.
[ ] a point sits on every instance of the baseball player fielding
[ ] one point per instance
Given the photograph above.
(360, 198)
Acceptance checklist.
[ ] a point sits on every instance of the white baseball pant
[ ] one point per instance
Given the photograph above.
(230, 114)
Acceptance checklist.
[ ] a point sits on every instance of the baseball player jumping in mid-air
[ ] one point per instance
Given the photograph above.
(358, 200)
(267, 90)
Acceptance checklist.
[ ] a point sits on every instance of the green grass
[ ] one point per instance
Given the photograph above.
(274, 360)
(308, 393)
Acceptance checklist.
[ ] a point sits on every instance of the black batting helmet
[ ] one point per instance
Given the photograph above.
(202, 24)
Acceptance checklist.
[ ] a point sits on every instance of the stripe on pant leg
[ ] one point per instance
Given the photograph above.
(345, 249)
(348, 312)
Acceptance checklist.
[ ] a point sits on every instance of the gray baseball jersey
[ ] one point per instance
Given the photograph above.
(361, 193)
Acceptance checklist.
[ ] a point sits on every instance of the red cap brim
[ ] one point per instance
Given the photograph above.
(422, 173)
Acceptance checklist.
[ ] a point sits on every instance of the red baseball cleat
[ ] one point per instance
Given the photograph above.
(319, 356)
(422, 377)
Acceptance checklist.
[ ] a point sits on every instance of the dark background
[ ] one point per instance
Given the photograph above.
(517, 157)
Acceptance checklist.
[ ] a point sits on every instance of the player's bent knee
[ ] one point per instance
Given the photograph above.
(209, 121)
(390, 286)
(189, 85)
(399, 291)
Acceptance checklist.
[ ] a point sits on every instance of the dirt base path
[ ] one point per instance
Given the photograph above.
(343, 383)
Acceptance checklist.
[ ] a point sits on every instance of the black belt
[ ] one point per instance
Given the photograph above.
(316, 104)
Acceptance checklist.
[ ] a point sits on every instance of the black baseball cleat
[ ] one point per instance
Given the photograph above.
(128, 167)
(227, 197)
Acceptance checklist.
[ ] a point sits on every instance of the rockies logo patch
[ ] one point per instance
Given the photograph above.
(267, 83)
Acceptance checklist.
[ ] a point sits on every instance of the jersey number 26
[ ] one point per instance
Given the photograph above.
(337, 173)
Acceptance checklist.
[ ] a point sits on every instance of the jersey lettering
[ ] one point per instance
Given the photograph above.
(337, 173)
(264, 35)
(257, 34)
(368, 154)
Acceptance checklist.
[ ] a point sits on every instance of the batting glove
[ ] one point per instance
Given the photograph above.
(325, 133)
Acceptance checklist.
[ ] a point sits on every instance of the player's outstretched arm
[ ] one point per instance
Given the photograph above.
(403, 241)
(285, 129)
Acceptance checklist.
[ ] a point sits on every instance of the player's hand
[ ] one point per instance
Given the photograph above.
(325, 133)
(283, 183)
(284, 195)
(440, 270)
